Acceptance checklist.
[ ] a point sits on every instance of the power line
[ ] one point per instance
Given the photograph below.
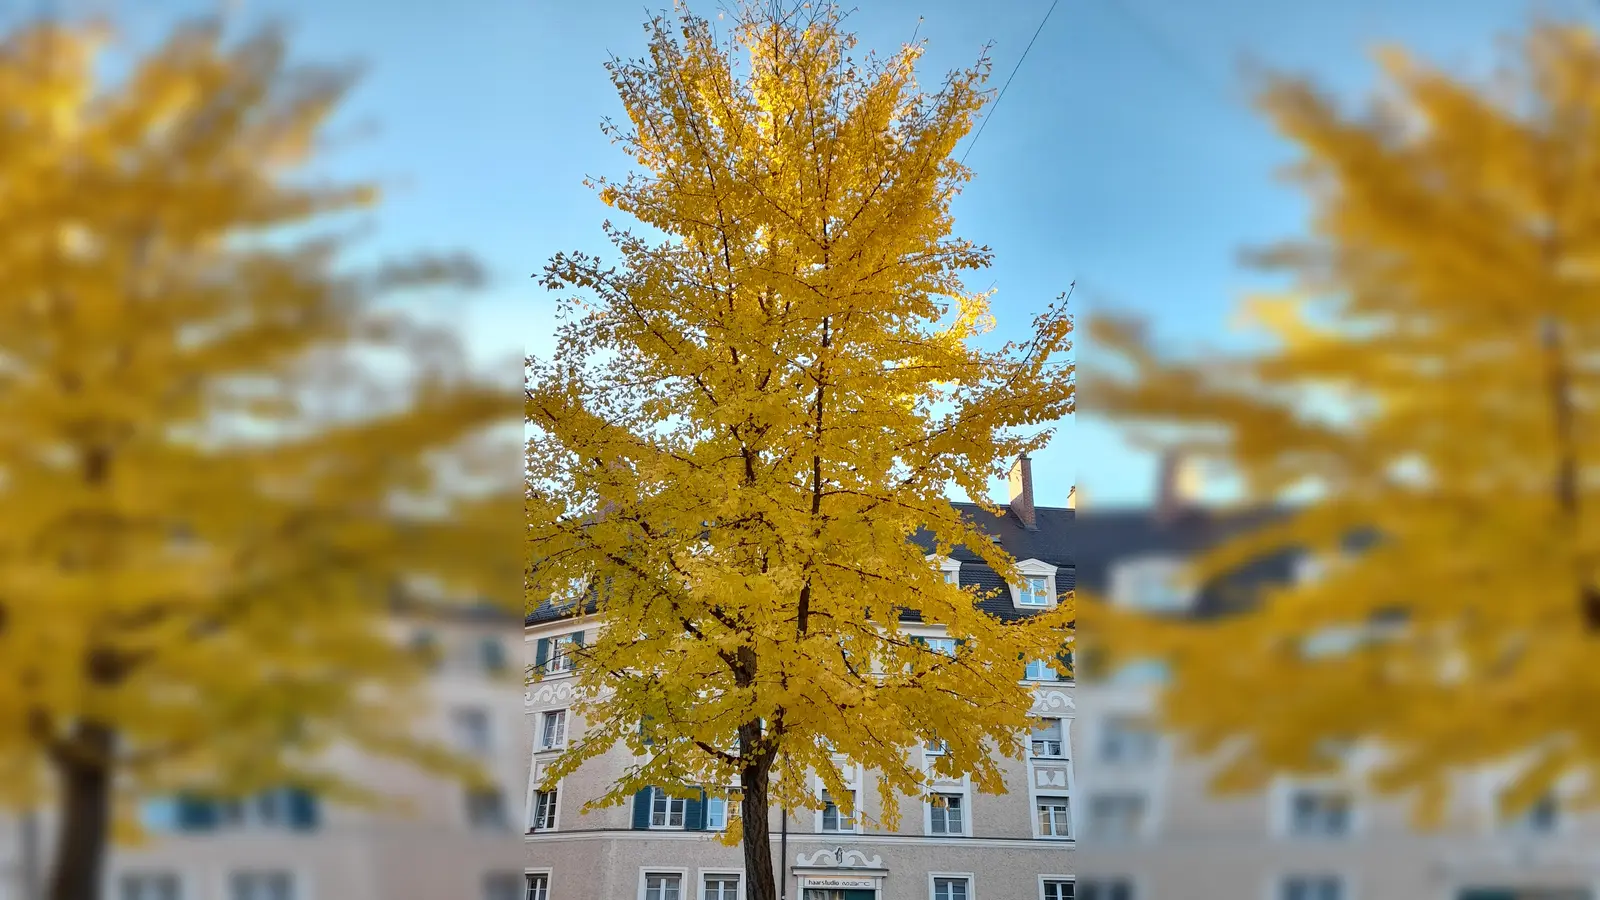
(1000, 96)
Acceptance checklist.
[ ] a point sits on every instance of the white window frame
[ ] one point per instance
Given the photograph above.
(855, 815)
(1283, 793)
(683, 879)
(1044, 671)
(187, 888)
(1041, 799)
(1147, 813)
(701, 875)
(531, 806)
(534, 873)
(545, 718)
(556, 653)
(1128, 574)
(300, 887)
(1061, 725)
(730, 811)
(1278, 884)
(949, 568)
(929, 810)
(970, 878)
(1105, 732)
(683, 811)
(1047, 878)
(555, 811)
(1036, 568)
(1135, 888)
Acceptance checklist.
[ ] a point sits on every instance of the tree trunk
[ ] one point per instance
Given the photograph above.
(753, 808)
(82, 838)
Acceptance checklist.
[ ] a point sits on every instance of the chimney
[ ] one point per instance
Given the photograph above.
(1178, 489)
(1022, 492)
(1072, 497)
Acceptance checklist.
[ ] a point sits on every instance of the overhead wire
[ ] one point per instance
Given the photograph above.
(1014, 69)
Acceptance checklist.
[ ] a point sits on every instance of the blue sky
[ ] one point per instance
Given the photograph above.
(1124, 155)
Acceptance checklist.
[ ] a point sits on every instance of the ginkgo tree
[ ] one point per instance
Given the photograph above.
(1425, 416)
(753, 410)
(218, 450)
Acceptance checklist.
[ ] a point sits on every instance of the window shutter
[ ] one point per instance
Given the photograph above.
(542, 652)
(494, 656)
(1065, 661)
(919, 640)
(646, 728)
(302, 809)
(196, 813)
(694, 812)
(961, 644)
(641, 810)
(577, 639)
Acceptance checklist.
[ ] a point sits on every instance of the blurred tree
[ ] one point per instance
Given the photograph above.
(217, 451)
(1430, 394)
(753, 413)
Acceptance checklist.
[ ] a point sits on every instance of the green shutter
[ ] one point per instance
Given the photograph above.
(541, 654)
(302, 809)
(1065, 661)
(919, 640)
(641, 810)
(647, 728)
(577, 639)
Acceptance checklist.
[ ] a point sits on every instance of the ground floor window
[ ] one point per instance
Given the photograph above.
(1058, 889)
(149, 886)
(538, 887)
(720, 887)
(1103, 889)
(663, 886)
(261, 886)
(1311, 887)
(951, 888)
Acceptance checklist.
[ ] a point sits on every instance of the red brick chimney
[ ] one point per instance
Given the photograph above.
(1022, 492)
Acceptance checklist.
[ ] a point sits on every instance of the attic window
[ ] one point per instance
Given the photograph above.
(1036, 587)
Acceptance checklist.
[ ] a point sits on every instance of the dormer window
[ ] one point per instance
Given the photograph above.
(1036, 585)
(1151, 584)
(1035, 591)
(949, 568)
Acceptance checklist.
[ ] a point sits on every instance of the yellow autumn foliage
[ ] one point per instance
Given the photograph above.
(218, 451)
(1430, 390)
(757, 401)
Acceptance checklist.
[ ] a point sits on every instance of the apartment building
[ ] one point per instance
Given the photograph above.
(446, 841)
(969, 846)
(1151, 830)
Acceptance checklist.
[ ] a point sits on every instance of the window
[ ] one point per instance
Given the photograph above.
(1057, 889)
(936, 748)
(553, 731)
(719, 810)
(666, 811)
(1117, 816)
(947, 646)
(472, 730)
(502, 886)
(1035, 591)
(1319, 813)
(948, 888)
(1104, 889)
(1040, 670)
(538, 887)
(1049, 739)
(492, 656)
(720, 887)
(1540, 818)
(1124, 739)
(1052, 817)
(834, 818)
(295, 809)
(1311, 887)
(486, 808)
(560, 655)
(1153, 585)
(662, 886)
(952, 576)
(261, 886)
(945, 814)
(149, 886)
(544, 811)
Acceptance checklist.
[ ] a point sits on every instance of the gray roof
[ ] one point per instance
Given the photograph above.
(1047, 543)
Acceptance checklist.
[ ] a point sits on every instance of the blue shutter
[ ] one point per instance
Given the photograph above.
(541, 652)
(196, 813)
(494, 655)
(641, 810)
(577, 638)
(302, 809)
(694, 812)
